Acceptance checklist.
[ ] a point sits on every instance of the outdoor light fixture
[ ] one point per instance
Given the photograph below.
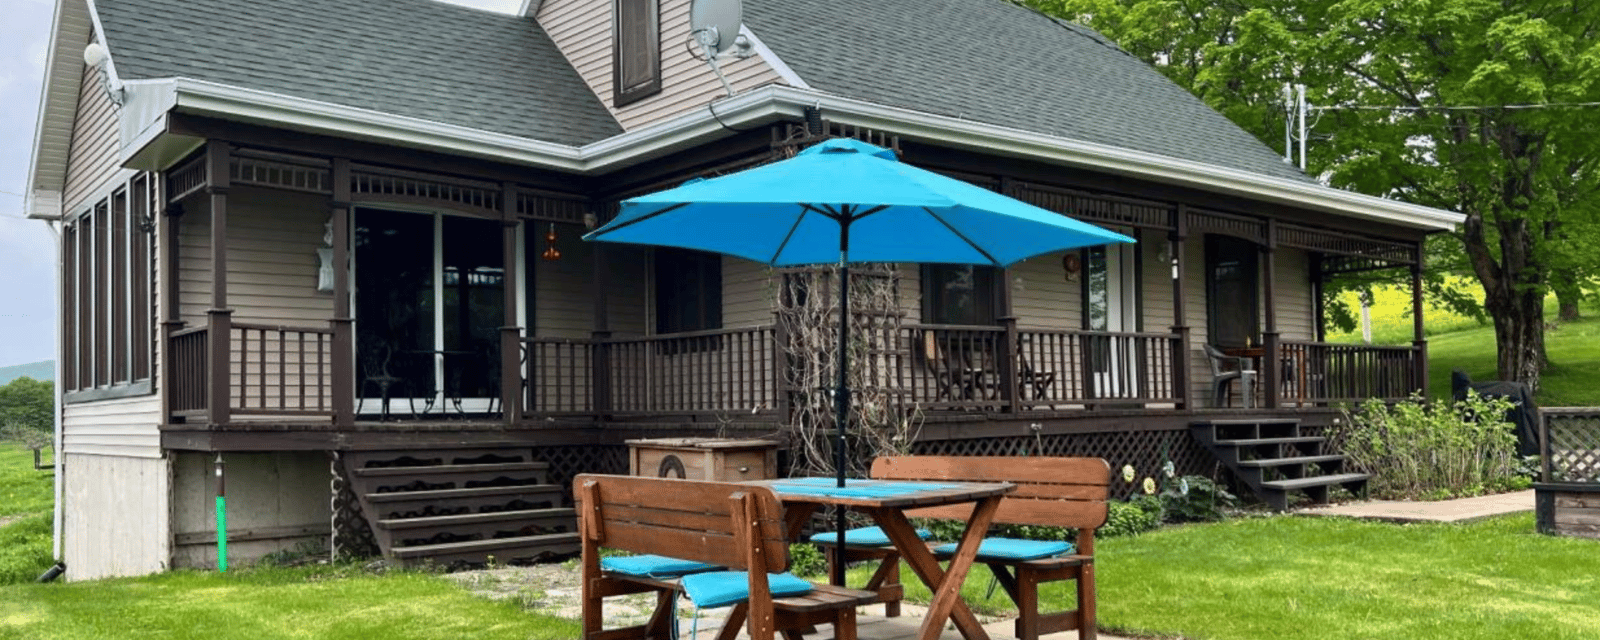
(95, 55)
(551, 253)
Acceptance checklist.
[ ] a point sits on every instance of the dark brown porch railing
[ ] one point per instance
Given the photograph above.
(724, 371)
(187, 358)
(1320, 373)
(557, 373)
(281, 370)
(960, 367)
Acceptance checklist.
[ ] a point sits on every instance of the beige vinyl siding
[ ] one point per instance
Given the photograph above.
(628, 286)
(121, 427)
(1042, 296)
(582, 30)
(1155, 286)
(747, 293)
(1194, 276)
(273, 238)
(563, 290)
(115, 518)
(92, 156)
(1292, 289)
(276, 501)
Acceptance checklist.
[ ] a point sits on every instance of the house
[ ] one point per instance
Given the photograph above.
(336, 243)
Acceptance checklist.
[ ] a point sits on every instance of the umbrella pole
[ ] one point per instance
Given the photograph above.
(842, 397)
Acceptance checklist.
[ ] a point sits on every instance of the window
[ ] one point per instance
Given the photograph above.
(688, 291)
(1232, 283)
(106, 304)
(958, 294)
(636, 50)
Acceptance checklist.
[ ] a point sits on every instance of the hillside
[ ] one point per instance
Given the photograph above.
(43, 370)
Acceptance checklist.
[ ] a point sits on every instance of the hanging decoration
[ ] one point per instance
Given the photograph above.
(551, 253)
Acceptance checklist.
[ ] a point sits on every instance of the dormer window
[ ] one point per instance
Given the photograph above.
(636, 50)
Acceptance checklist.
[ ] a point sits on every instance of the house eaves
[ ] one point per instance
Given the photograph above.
(70, 29)
(767, 104)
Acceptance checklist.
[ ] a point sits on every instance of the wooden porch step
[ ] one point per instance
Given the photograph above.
(1257, 442)
(448, 469)
(555, 516)
(457, 494)
(1285, 462)
(1246, 422)
(1315, 481)
(501, 550)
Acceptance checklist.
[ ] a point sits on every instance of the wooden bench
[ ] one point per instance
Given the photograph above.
(1058, 492)
(734, 526)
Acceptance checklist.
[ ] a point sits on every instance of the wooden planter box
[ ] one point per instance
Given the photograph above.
(1568, 509)
(716, 459)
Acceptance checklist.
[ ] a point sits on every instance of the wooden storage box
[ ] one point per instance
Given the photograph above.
(717, 459)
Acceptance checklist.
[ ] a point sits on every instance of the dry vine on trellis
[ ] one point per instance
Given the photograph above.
(808, 314)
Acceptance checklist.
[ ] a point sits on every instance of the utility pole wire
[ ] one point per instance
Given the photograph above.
(1547, 105)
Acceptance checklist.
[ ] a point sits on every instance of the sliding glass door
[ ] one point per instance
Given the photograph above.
(429, 300)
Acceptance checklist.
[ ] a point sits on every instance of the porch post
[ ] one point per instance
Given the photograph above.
(219, 320)
(168, 265)
(511, 331)
(1008, 349)
(1419, 339)
(342, 386)
(1180, 320)
(600, 335)
(1269, 334)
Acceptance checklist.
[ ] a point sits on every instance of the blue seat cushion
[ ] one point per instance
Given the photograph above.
(863, 537)
(1005, 549)
(653, 566)
(723, 588)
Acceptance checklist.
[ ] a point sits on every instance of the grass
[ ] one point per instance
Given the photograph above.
(328, 603)
(1291, 578)
(1458, 342)
(25, 499)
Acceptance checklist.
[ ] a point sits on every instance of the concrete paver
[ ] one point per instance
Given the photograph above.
(1459, 510)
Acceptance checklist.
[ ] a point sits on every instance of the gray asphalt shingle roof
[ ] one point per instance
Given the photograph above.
(418, 58)
(994, 62)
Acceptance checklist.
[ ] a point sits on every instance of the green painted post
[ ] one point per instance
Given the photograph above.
(222, 520)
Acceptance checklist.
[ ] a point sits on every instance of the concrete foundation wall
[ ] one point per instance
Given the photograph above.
(276, 502)
(115, 520)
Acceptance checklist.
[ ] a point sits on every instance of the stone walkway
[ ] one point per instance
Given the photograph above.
(1459, 510)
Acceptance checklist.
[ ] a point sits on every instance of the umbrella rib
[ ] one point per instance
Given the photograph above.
(963, 237)
(792, 229)
(673, 207)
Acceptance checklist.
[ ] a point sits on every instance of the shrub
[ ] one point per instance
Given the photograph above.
(1136, 516)
(1417, 449)
(1195, 499)
(807, 560)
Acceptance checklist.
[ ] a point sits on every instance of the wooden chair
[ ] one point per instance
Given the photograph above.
(734, 526)
(1058, 492)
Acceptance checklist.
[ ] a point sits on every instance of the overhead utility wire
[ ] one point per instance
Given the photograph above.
(1547, 105)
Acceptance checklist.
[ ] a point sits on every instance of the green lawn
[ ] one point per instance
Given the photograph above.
(1296, 577)
(25, 499)
(267, 604)
(1455, 342)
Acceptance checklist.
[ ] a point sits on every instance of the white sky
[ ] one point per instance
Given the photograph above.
(27, 247)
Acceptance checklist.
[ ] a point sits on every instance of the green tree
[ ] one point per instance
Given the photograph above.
(1421, 100)
(27, 410)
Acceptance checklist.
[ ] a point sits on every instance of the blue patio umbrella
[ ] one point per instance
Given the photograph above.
(840, 202)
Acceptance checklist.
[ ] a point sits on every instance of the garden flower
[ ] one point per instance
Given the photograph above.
(1127, 473)
(1168, 469)
(1149, 485)
(1183, 486)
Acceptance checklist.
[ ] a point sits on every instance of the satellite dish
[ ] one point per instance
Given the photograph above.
(715, 24)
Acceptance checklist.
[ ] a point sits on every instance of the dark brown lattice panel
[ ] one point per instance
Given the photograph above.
(567, 462)
(352, 535)
(1574, 447)
(1147, 451)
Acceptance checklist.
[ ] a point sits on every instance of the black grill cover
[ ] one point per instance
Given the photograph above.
(1524, 416)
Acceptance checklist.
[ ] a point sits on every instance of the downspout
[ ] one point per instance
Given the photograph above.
(60, 467)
